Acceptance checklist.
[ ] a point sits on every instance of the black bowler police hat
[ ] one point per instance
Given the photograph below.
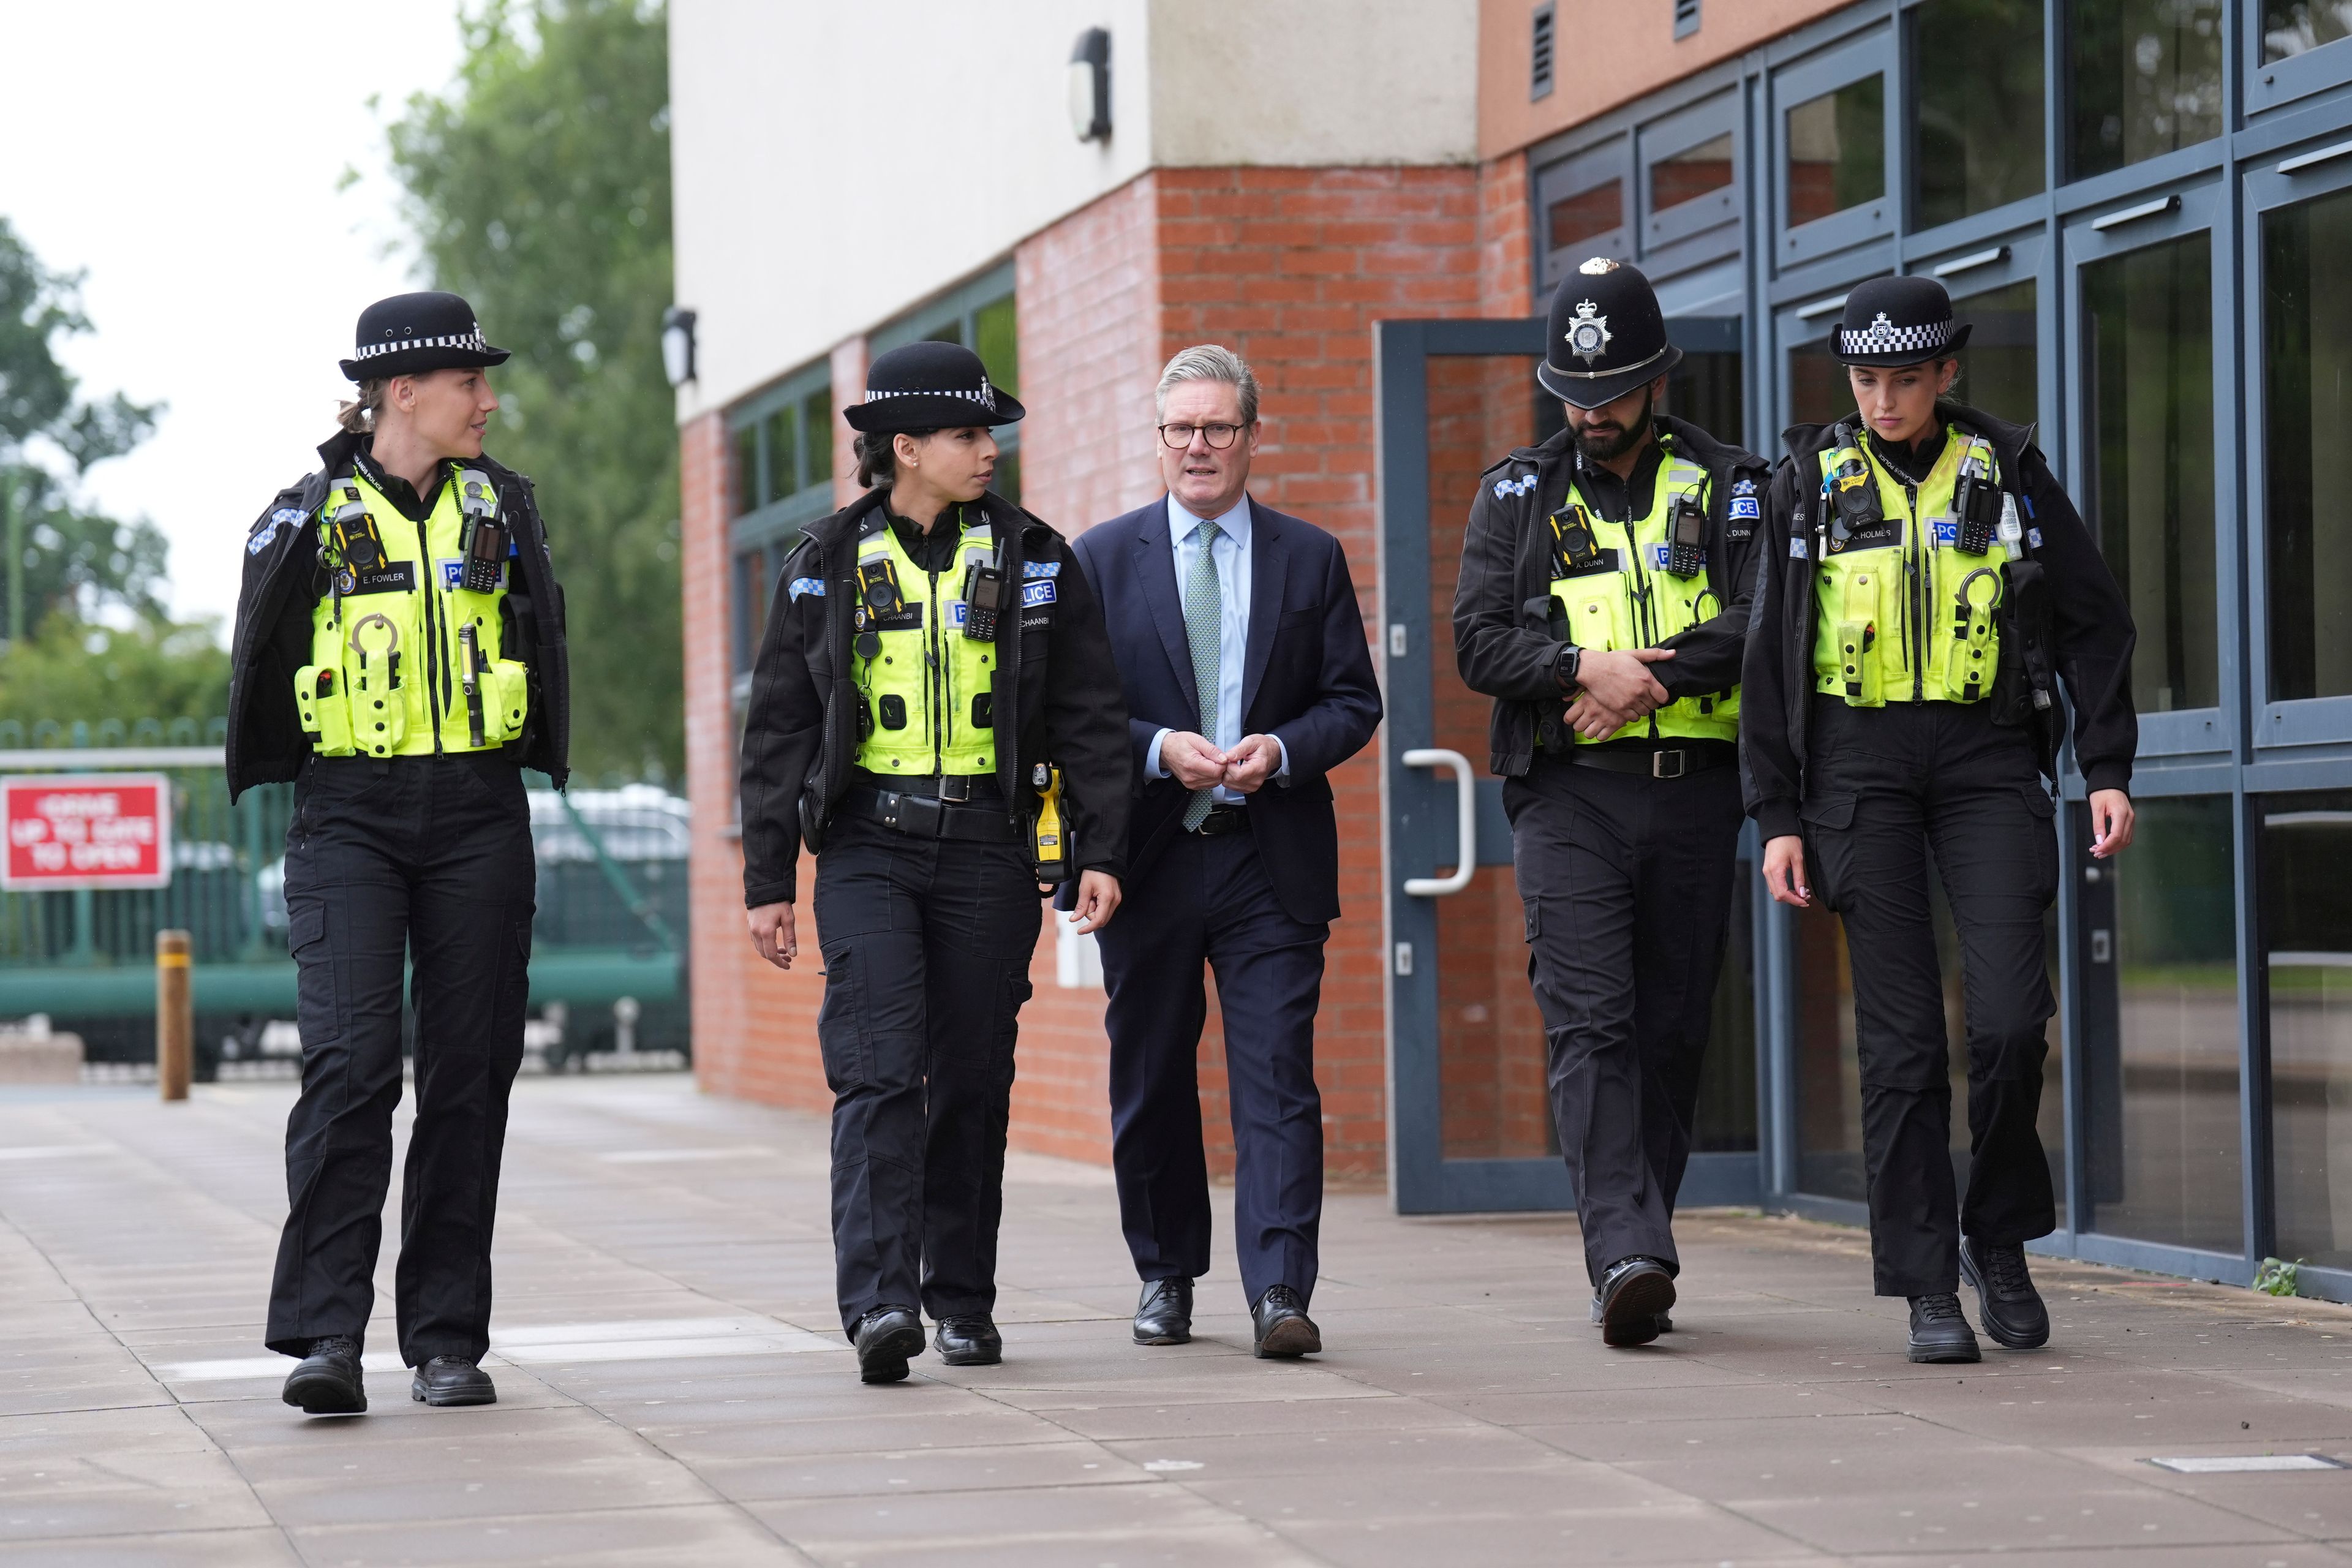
(1894, 322)
(930, 386)
(1605, 336)
(409, 333)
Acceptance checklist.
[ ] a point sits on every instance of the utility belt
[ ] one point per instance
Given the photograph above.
(970, 819)
(1659, 759)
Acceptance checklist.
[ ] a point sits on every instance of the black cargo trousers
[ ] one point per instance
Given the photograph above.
(1627, 882)
(1883, 788)
(927, 943)
(426, 858)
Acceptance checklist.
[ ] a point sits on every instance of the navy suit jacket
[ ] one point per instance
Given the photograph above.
(1308, 682)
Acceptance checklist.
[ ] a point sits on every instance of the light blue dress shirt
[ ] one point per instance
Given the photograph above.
(1232, 554)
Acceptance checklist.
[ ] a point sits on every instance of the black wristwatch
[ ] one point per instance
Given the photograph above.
(1571, 658)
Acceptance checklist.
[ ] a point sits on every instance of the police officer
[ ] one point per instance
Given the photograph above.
(399, 655)
(1603, 601)
(934, 664)
(1929, 584)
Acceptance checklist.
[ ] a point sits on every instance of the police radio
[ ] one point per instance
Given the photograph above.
(1573, 548)
(481, 537)
(1686, 539)
(1854, 499)
(983, 597)
(1977, 501)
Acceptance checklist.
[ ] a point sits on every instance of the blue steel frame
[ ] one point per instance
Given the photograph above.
(2273, 113)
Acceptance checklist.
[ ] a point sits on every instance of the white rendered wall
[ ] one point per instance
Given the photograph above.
(804, 134)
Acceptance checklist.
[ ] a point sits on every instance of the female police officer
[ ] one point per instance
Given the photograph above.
(933, 656)
(1926, 584)
(400, 656)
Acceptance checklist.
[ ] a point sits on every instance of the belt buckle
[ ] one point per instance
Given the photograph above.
(956, 787)
(1658, 764)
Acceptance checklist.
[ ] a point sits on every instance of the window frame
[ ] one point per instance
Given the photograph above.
(1587, 169)
(2270, 85)
(1874, 52)
(960, 306)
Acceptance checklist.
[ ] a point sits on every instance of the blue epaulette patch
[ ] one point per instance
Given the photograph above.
(1506, 489)
(1041, 569)
(267, 530)
(807, 585)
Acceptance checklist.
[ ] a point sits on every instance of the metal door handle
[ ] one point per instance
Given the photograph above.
(1466, 803)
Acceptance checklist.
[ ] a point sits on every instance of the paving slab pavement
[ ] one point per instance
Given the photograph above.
(674, 1388)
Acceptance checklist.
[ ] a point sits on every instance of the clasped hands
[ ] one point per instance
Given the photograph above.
(1194, 763)
(1614, 689)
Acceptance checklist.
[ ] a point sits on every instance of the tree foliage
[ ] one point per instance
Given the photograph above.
(49, 437)
(71, 669)
(540, 186)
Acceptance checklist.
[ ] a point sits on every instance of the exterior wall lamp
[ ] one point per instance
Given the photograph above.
(677, 345)
(1090, 85)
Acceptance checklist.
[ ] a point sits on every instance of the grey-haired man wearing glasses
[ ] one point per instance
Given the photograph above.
(1242, 652)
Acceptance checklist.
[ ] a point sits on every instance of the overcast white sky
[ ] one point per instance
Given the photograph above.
(186, 156)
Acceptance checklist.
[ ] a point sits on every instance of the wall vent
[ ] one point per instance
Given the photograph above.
(1540, 56)
(1685, 18)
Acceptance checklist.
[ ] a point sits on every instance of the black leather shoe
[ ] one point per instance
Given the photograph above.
(1282, 1327)
(1635, 1295)
(885, 1337)
(969, 1341)
(1938, 1331)
(1164, 1315)
(327, 1382)
(452, 1380)
(1665, 1319)
(2007, 1303)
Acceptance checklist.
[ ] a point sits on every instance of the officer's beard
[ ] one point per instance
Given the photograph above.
(1606, 446)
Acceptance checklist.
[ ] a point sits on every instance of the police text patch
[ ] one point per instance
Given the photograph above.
(1040, 593)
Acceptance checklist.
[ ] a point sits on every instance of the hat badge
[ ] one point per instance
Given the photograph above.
(1880, 334)
(1595, 266)
(1587, 332)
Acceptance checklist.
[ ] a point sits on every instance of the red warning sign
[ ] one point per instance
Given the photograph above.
(87, 830)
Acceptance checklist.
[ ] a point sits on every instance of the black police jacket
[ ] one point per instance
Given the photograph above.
(1503, 642)
(2062, 617)
(283, 581)
(1055, 691)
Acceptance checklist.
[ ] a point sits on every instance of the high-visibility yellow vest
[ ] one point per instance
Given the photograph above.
(1905, 614)
(392, 644)
(1629, 598)
(925, 696)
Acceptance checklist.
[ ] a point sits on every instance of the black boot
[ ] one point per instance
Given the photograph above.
(1634, 1299)
(452, 1380)
(1164, 1315)
(1938, 1331)
(328, 1381)
(970, 1340)
(885, 1337)
(1281, 1328)
(2007, 1302)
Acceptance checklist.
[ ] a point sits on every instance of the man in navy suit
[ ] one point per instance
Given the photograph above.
(1247, 679)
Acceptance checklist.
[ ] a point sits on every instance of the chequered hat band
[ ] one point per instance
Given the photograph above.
(472, 340)
(1882, 337)
(985, 397)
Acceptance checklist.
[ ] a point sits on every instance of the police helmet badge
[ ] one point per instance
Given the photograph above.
(1587, 332)
(1880, 335)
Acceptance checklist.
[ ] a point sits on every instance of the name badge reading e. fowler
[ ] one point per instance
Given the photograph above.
(393, 577)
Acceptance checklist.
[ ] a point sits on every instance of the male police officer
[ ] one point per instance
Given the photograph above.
(933, 658)
(400, 655)
(1602, 603)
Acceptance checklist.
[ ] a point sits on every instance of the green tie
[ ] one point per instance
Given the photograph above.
(1204, 614)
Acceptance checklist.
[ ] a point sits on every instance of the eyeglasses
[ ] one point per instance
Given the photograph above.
(1219, 436)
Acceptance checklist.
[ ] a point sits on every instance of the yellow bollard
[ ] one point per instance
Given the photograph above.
(175, 1018)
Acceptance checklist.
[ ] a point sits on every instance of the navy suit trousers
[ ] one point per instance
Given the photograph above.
(1210, 899)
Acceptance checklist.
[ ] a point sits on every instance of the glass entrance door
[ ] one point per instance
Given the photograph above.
(1471, 1125)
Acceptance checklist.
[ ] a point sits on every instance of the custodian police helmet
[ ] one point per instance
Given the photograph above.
(1605, 336)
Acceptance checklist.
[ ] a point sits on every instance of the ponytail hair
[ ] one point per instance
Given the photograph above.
(358, 417)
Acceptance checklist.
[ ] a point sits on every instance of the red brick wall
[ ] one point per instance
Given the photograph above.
(1290, 267)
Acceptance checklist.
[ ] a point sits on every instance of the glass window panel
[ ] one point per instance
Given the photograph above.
(1977, 64)
(2160, 1030)
(747, 468)
(2306, 893)
(1818, 393)
(1007, 483)
(2145, 77)
(950, 332)
(2299, 24)
(816, 449)
(1829, 1069)
(2148, 383)
(1725, 1122)
(1572, 221)
(1837, 150)
(783, 453)
(1706, 389)
(2000, 368)
(1690, 173)
(2308, 402)
(995, 338)
(751, 590)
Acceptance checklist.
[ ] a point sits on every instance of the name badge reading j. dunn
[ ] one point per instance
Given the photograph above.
(393, 577)
(1605, 558)
(1883, 534)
